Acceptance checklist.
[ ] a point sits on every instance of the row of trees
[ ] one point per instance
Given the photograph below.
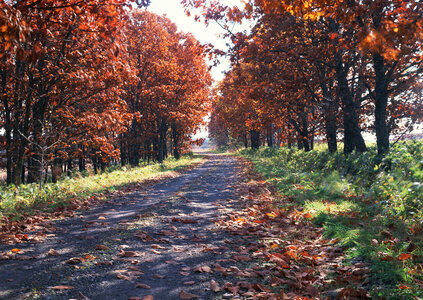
(320, 68)
(95, 79)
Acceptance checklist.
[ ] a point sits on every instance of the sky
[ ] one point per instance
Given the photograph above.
(174, 10)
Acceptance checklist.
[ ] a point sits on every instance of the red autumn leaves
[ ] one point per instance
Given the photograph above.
(319, 68)
(97, 80)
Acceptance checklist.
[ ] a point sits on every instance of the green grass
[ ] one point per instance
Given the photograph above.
(28, 199)
(374, 208)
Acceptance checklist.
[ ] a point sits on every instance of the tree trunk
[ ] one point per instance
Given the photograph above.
(353, 140)
(134, 154)
(95, 163)
(162, 141)
(8, 130)
(330, 127)
(69, 166)
(312, 136)
(122, 150)
(304, 132)
(56, 170)
(269, 136)
(175, 136)
(381, 102)
(81, 160)
(255, 139)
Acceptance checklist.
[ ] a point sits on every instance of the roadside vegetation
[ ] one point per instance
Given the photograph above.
(17, 202)
(372, 207)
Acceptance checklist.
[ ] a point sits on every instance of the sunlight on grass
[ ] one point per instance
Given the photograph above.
(27, 198)
(373, 208)
(321, 206)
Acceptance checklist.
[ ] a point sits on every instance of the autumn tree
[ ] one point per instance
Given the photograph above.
(93, 78)
(365, 51)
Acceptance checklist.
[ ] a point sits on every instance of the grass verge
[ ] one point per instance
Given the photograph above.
(28, 199)
(373, 208)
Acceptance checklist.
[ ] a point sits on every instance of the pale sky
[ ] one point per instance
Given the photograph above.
(205, 34)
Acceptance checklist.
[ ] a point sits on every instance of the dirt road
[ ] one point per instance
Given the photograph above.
(162, 242)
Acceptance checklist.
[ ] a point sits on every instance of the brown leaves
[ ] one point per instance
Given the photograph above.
(242, 258)
(148, 297)
(130, 253)
(202, 269)
(404, 256)
(186, 295)
(214, 286)
(131, 274)
(53, 252)
(185, 221)
(144, 236)
(353, 293)
(75, 260)
(102, 247)
(154, 246)
(62, 287)
(298, 256)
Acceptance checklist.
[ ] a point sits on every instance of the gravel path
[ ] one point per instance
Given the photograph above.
(161, 241)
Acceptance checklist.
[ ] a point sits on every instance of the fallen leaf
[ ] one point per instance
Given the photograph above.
(135, 273)
(202, 269)
(307, 215)
(142, 286)
(242, 258)
(404, 256)
(134, 268)
(124, 277)
(81, 296)
(75, 260)
(129, 253)
(53, 252)
(206, 269)
(148, 297)
(154, 246)
(16, 250)
(214, 286)
(101, 247)
(158, 276)
(404, 287)
(185, 295)
(62, 287)
(185, 221)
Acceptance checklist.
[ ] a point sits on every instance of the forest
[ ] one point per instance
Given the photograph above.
(319, 71)
(98, 82)
(317, 196)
